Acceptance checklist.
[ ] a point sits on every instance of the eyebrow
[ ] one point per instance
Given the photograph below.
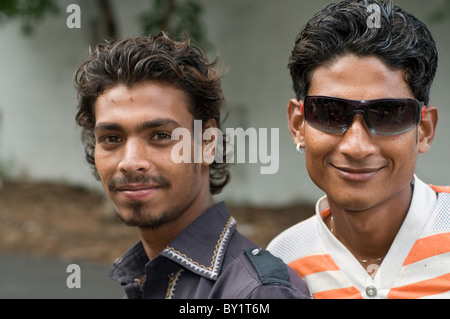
(106, 126)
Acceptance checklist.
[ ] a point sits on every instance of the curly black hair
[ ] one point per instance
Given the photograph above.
(133, 60)
(400, 40)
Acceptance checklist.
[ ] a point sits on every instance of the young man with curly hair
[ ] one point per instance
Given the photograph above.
(133, 94)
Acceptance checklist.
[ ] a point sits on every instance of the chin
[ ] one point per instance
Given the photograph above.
(142, 215)
(352, 203)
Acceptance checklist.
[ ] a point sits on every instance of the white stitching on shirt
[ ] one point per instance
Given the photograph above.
(173, 278)
(212, 270)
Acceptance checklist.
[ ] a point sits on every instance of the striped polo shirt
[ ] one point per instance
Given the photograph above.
(417, 264)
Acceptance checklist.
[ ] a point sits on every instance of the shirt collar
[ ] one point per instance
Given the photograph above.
(423, 199)
(130, 266)
(199, 247)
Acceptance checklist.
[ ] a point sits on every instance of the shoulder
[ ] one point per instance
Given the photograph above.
(277, 280)
(439, 221)
(252, 272)
(440, 189)
(299, 239)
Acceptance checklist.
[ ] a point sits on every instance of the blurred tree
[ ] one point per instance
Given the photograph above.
(29, 12)
(108, 18)
(173, 16)
(442, 13)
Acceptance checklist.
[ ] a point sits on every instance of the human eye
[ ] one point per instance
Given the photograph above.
(161, 136)
(109, 139)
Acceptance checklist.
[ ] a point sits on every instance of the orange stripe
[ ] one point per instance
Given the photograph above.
(313, 264)
(319, 263)
(325, 213)
(440, 189)
(428, 247)
(423, 288)
(342, 293)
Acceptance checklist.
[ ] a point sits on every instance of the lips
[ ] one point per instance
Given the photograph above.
(137, 192)
(357, 174)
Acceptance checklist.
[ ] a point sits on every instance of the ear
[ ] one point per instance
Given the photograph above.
(427, 128)
(296, 121)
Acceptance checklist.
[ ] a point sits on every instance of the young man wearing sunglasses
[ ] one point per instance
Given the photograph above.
(361, 117)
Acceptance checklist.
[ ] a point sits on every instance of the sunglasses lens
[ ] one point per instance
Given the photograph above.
(327, 114)
(385, 117)
(392, 117)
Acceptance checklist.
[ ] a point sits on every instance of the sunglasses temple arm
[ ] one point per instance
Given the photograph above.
(423, 112)
(301, 107)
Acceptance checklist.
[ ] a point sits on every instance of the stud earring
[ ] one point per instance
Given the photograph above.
(299, 148)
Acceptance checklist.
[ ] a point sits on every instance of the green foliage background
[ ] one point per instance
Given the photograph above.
(176, 17)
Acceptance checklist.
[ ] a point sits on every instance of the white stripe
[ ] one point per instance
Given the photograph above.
(327, 280)
(444, 295)
(425, 269)
(297, 241)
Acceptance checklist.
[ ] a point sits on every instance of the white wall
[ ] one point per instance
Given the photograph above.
(39, 138)
(38, 135)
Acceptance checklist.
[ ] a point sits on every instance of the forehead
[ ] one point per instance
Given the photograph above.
(359, 78)
(142, 102)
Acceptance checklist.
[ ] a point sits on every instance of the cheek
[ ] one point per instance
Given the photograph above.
(318, 146)
(314, 166)
(186, 173)
(185, 178)
(105, 165)
(403, 153)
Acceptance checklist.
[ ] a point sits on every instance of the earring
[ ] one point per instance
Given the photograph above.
(299, 148)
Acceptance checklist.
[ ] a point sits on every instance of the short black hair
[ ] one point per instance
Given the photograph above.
(401, 41)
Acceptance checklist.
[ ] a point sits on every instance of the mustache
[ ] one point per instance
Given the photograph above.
(159, 181)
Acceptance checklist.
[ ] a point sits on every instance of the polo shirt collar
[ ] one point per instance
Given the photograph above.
(422, 205)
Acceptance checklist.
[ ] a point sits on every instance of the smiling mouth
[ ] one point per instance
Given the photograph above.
(356, 174)
(135, 188)
(142, 183)
(137, 192)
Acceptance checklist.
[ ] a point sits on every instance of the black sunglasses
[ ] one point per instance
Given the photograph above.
(383, 116)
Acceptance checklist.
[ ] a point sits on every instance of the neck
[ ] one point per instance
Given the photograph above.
(155, 240)
(369, 234)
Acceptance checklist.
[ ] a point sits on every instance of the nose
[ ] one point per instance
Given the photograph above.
(357, 141)
(134, 157)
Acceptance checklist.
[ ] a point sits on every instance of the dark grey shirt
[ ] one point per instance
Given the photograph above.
(209, 259)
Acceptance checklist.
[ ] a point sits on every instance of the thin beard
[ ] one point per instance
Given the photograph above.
(139, 219)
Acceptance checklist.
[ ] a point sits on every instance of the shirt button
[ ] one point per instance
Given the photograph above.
(371, 291)
(255, 251)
